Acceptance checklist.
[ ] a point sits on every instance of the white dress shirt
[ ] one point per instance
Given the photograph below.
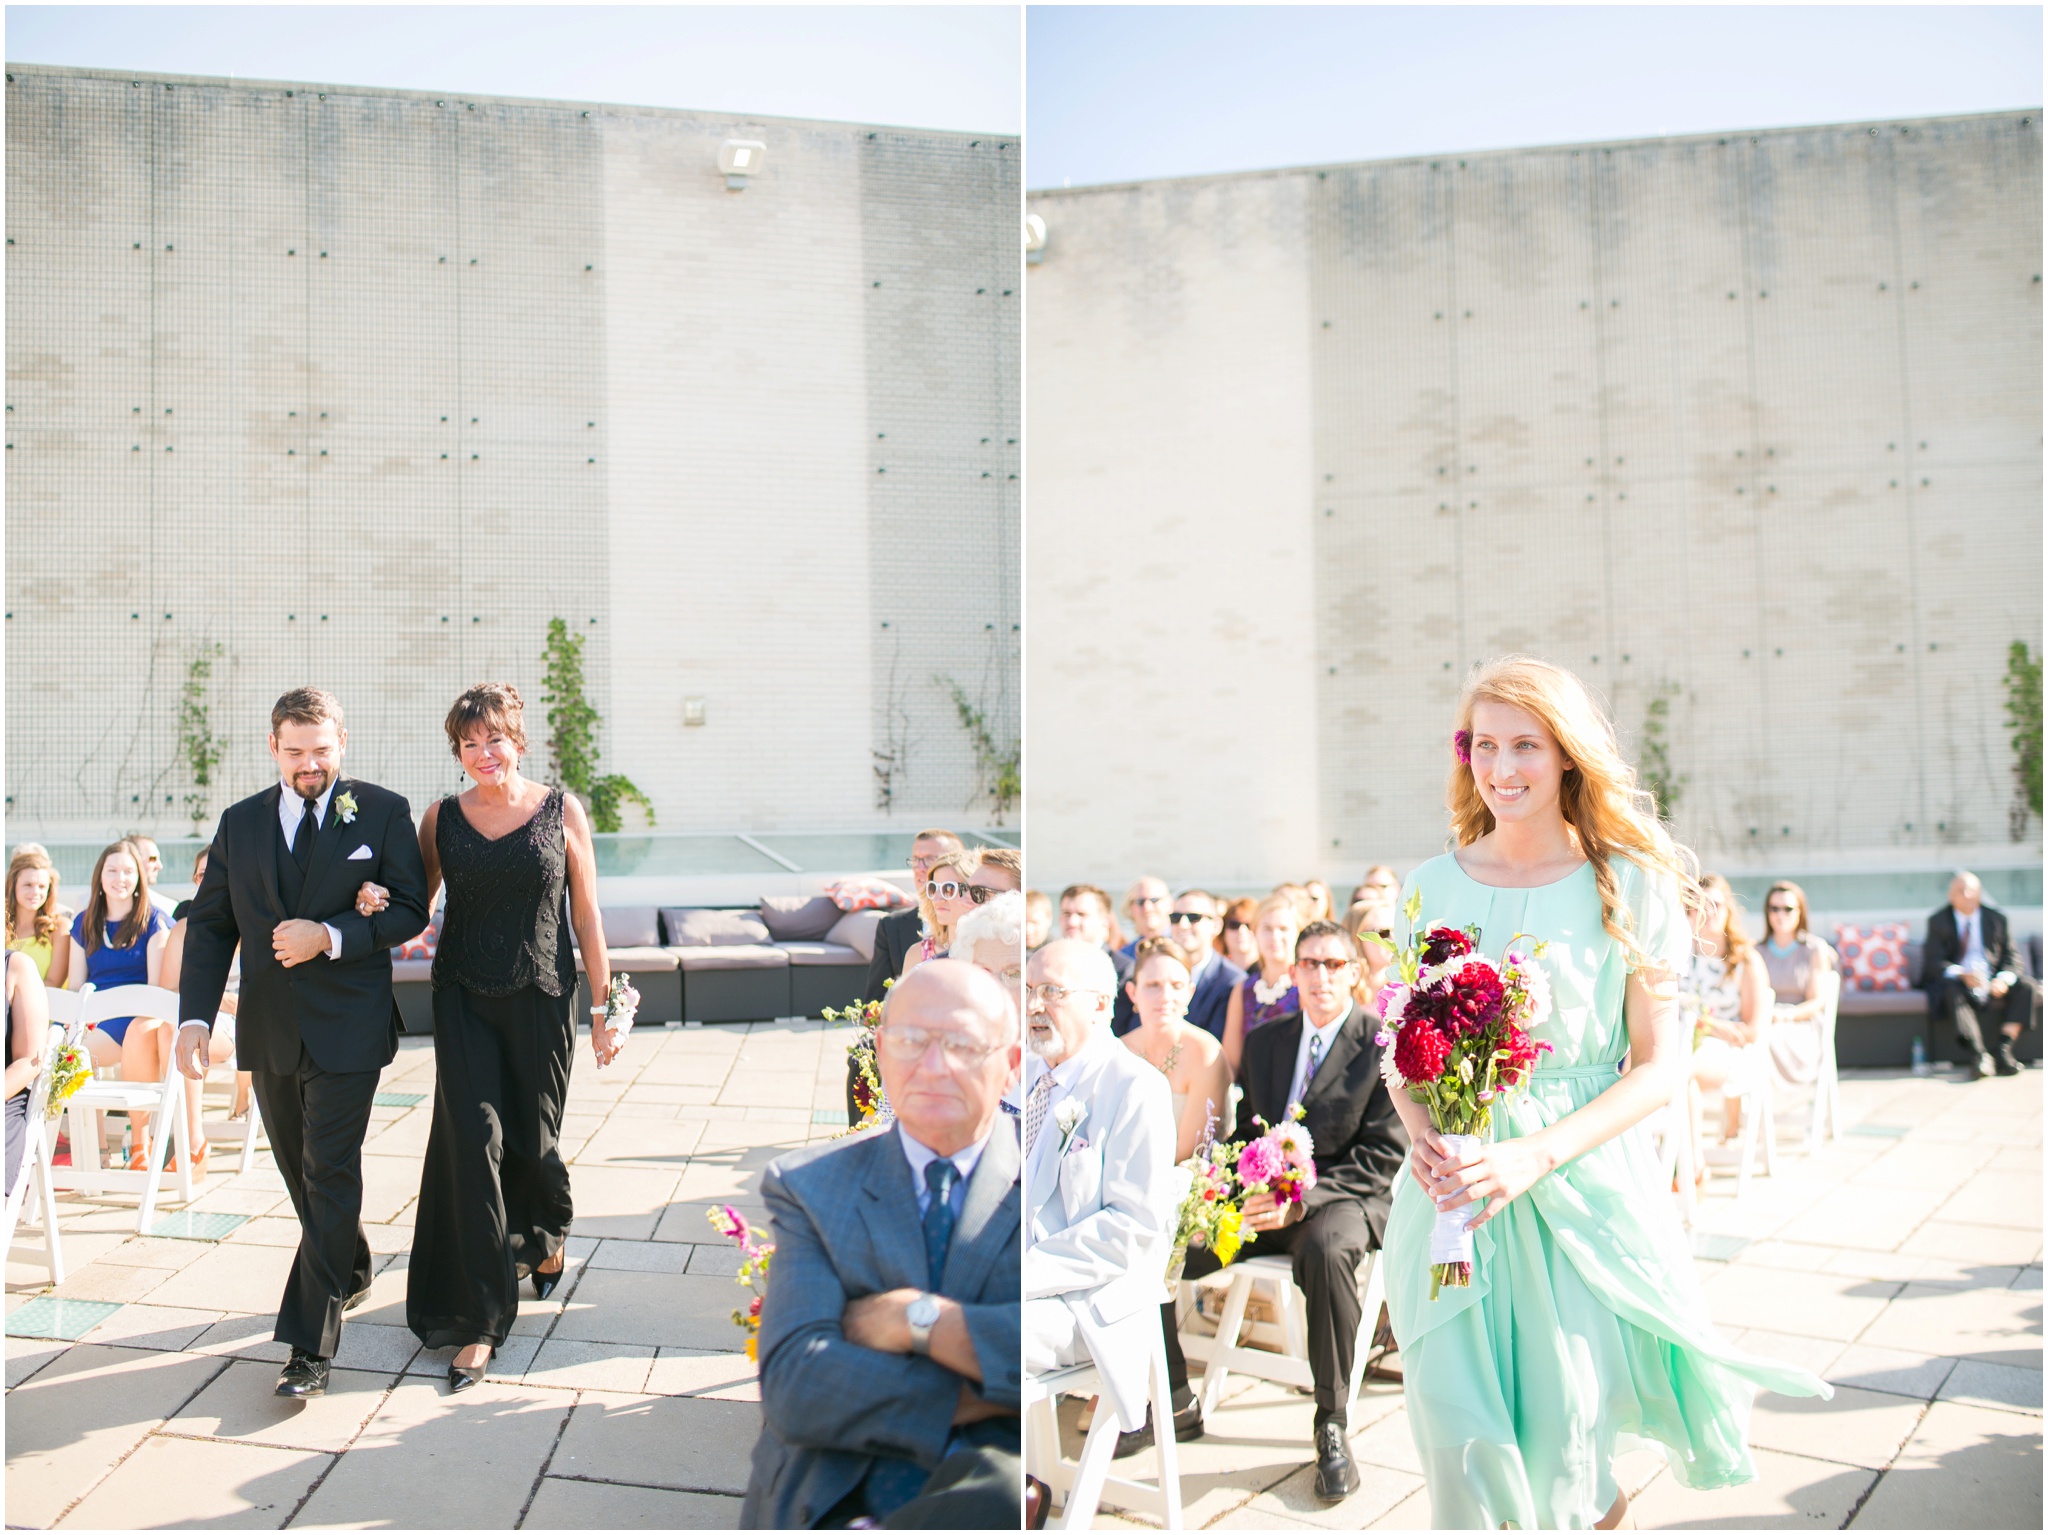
(1328, 1035)
(290, 807)
(921, 1156)
(1970, 935)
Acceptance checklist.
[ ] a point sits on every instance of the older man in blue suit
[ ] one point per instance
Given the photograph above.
(890, 1337)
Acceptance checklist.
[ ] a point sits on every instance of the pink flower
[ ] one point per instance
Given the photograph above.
(1392, 996)
(1260, 1162)
(1461, 745)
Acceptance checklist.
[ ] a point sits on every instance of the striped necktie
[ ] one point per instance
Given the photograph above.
(1034, 1110)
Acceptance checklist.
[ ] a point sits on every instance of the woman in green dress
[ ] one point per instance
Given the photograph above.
(1583, 1333)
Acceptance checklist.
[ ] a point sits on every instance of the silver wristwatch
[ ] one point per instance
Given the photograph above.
(922, 1314)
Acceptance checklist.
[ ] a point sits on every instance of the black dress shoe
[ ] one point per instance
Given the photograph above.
(544, 1284)
(462, 1376)
(1336, 1476)
(1983, 1066)
(306, 1375)
(2008, 1064)
(1187, 1424)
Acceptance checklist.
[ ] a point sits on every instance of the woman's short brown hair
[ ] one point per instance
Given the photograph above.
(496, 706)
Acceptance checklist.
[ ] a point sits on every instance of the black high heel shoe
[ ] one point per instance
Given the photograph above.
(462, 1376)
(545, 1284)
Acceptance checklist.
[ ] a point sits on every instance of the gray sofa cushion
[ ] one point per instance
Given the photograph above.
(821, 954)
(794, 919)
(639, 956)
(857, 931)
(695, 926)
(412, 970)
(630, 927)
(732, 956)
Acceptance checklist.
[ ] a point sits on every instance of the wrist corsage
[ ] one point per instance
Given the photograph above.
(621, 1002)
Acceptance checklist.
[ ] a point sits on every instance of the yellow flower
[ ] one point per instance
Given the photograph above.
(753, 1350)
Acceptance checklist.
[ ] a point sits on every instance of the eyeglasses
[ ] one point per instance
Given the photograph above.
(1234, 924)
(1782, 911)
(1189, 917)
(911, 1044)
(1148, 900)
(948, 890)
(1331, 965)
(1047, 994)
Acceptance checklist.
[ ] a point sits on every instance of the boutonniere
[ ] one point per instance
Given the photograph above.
(1068, 1117)
(345, 806)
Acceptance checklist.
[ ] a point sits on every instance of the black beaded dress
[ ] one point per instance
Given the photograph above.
(494, 1193)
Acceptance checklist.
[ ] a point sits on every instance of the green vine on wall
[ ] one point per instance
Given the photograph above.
(1656, 772)
(2023, 716)
(1000, 765)
(572, 734)
(197, 744)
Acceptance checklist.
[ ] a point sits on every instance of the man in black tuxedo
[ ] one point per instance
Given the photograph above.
(901, 931)
(1970, 974)
(316, 1022)
(1323, 1058)
(1194, 922)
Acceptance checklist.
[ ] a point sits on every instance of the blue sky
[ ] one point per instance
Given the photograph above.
(956, 67)
(1130, 92)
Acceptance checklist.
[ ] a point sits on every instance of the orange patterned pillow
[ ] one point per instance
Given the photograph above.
(1873, 957)
(865, 895)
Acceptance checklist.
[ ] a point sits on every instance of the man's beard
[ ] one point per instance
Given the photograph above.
(1046, 1044)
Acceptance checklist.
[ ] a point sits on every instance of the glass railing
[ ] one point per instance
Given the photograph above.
(621, 854)
(1884, 890)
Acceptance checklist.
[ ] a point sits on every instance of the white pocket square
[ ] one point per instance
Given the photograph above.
(361, 852)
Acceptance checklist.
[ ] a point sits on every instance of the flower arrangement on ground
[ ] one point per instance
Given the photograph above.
(869, 1102)
(755, 1252)
(1457, 1036)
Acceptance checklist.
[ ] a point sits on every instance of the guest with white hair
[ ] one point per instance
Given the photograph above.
(1098, 1159)
(992, 937)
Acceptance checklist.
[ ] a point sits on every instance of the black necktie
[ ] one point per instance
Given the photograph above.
(302, 839)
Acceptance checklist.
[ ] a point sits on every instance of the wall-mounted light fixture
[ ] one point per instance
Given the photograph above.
(1034, 239)
(738, 159)
(693, 711)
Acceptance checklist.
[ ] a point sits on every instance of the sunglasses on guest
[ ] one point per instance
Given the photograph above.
(948, 890)
(1189, 918)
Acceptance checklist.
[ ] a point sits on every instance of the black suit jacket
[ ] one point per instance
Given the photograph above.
(895, 936)
(1944, 947)
(1360, 1140)
(340, 1010)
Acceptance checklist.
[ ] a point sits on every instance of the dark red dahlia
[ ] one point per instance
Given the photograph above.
(1431, 1005)
(1420, 1051)
(1445, 944)
(1476, 998)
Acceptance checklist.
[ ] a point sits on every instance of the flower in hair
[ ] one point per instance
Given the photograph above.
(1461, 744)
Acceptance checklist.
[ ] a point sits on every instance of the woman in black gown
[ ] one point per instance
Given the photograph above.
(494, 1193)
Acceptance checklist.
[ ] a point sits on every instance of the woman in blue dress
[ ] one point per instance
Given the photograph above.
(122, 934)
(1583, 1332)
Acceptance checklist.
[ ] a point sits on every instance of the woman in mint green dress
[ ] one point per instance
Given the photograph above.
(1583, 1333)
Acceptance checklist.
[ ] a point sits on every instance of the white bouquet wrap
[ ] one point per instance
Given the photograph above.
(1450, 1240)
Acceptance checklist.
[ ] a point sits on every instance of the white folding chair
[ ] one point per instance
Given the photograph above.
(252, 1122)
(1224, 1353)
(1670, 1132)
(1758, 1098)
(1827, 1083)
(163, 1100)
(1085, 1484)
(35, 1162)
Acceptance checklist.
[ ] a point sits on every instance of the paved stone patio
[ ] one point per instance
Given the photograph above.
(623, 1402)
(1901, 1262)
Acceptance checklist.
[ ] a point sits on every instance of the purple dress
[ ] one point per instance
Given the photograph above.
(1256, 1012)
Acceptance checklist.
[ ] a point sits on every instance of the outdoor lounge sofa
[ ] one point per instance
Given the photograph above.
(1877, 1028)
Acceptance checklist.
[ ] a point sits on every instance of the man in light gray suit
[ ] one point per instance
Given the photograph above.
(1099, 1135)
(889, 1336)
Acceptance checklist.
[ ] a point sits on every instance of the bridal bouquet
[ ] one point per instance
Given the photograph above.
(1456, 1036)
(754, 1256)
(71, 1071)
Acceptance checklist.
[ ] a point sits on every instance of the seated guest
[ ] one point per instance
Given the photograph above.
(1165, 1037)
(1794, 962)
(1085, 914)
(889, 1339)
(901, 931)
(120, 936)
(1971, 975)
(28, 1028)
(1100, 1229)
(1304, 903)
(1235, 943)
(1145, 905)
(1194, 924)
(1267, 993)
(1325, 1059)
(991, 937)
(1381, 883)
(1037, 919)
(992, 870)
(36, 925)
(1725, 991)
(221, 1040)
(1371, 922)
(153, 866)
(1322, 906)
(947, 896)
